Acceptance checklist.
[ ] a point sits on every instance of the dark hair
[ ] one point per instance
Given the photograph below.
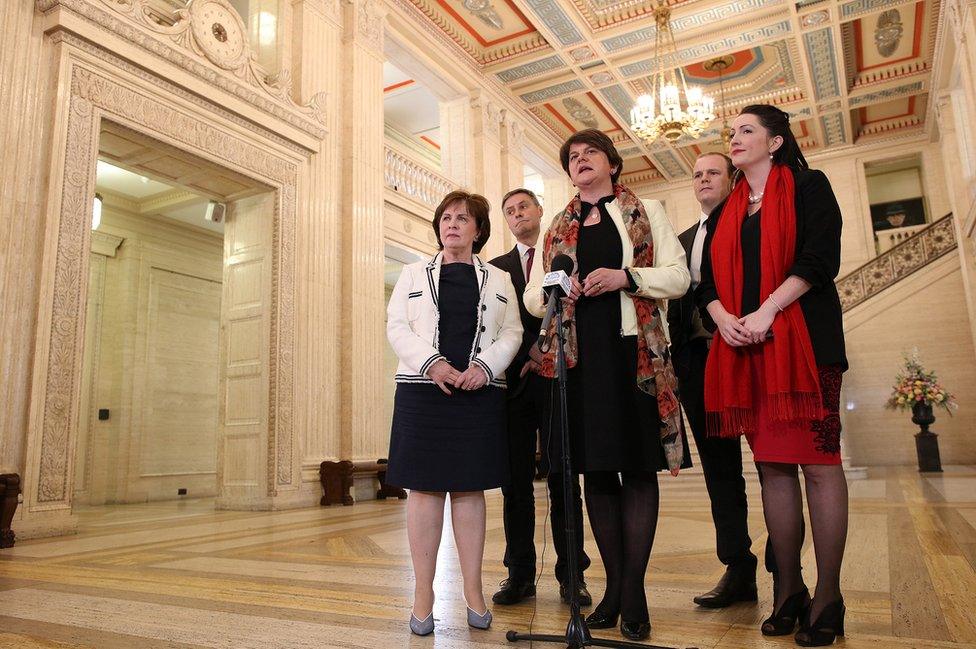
(477, 206)
(777, 122)
(728, 161)
(520, 190)
(594, 138)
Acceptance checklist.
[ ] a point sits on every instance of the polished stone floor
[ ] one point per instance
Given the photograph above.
(181, 575)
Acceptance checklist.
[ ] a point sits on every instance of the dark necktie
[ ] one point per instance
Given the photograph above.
(528, 263)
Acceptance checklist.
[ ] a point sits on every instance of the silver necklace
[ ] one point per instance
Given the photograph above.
(754, 199)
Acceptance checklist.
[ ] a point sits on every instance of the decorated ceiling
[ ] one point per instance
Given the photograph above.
(848, 71)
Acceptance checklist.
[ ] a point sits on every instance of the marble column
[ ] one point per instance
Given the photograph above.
(363, 434)
(557, 190)
(955, 172)
(512, 165)
(26, 123)
(472, 155)
(489, 180)
(266, 20)
(317, 59)
(457, 141)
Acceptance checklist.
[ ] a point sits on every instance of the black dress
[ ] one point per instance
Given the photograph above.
(458, 442)
(613, 425)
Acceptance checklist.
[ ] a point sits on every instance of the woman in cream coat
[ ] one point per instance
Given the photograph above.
(623, 416)
(454, 324)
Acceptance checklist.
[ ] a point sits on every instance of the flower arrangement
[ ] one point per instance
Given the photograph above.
(914, 385)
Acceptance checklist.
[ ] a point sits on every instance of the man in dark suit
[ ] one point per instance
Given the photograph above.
(721, 458)
(527, 402)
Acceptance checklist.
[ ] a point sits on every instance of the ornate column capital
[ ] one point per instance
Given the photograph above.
(330, 10)
(366, 23)
(489, 113)
(514, 133)
(943, 109)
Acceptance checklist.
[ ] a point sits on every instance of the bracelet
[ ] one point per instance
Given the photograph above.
(775, 303)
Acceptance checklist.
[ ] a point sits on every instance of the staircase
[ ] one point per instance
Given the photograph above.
(882, 272)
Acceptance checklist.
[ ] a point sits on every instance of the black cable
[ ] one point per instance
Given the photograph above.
(545, 525)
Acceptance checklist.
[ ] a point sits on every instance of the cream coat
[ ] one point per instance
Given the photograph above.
(668, 278)
(412, 319)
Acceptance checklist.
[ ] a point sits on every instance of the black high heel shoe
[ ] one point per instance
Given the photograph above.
(829, 625)
(635, 630)
(783, 621)
(600, 619)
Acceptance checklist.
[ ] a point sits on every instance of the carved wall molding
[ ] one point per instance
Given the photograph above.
(207, 39)
(95, 95)
(172, 89)
(414, 16)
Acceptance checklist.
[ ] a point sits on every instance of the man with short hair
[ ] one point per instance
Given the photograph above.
(721, 458)
(528, 405)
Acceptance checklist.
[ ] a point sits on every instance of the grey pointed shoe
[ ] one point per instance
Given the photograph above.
(424, 626)
(482, 621)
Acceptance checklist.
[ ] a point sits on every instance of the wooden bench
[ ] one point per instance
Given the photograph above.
(9, 490)
(337, 480)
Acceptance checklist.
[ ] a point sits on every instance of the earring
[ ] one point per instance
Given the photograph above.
(770, 156)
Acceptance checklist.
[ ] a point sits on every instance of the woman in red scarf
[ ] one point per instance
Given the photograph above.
(774, 372)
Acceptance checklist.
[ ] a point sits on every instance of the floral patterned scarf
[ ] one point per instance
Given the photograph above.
(655, 374)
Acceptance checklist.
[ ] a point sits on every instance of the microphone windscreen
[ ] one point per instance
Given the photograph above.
(563, 263)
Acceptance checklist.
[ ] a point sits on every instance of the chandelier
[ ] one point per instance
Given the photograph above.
(661, 113)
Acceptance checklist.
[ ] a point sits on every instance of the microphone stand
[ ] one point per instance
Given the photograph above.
(577, 634)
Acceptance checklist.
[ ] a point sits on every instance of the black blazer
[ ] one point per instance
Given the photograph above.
(817, 260)
(511, 263)
(681, 312)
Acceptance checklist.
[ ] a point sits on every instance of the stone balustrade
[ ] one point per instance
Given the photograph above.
(409, 177)
(923, 247)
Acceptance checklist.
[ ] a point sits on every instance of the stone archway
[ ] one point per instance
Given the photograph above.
(96, 86)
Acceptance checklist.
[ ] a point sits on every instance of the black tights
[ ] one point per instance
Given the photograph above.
(783, 511)
(624, 519)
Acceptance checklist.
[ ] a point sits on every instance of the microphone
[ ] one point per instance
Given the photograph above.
(555, 285)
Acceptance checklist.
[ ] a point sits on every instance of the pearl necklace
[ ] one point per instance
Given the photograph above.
(756, 199)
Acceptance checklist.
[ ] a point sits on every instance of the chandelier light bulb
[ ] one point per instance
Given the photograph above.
(670, 119)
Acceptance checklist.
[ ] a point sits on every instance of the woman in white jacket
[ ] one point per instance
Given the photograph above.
(454, 324)
(624, 420)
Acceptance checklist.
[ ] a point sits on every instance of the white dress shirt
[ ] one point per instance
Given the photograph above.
(696, 251)
(524, 257)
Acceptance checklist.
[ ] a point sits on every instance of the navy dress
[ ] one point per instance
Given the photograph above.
(457, 442)
(613, 425)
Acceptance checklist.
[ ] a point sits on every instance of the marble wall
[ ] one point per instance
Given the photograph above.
(151, 360)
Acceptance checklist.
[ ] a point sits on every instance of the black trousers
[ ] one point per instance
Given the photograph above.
(527, 423)
(721, 461)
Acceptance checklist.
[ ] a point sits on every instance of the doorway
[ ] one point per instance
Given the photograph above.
(258, 464)
(150, 415)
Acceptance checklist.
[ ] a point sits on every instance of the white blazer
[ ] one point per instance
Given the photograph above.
(668, 278)
(412, 321)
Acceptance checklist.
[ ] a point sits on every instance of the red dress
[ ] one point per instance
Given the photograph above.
(770, 443)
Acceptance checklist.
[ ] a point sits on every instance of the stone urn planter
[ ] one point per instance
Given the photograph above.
(918, 390)
(926, 442)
